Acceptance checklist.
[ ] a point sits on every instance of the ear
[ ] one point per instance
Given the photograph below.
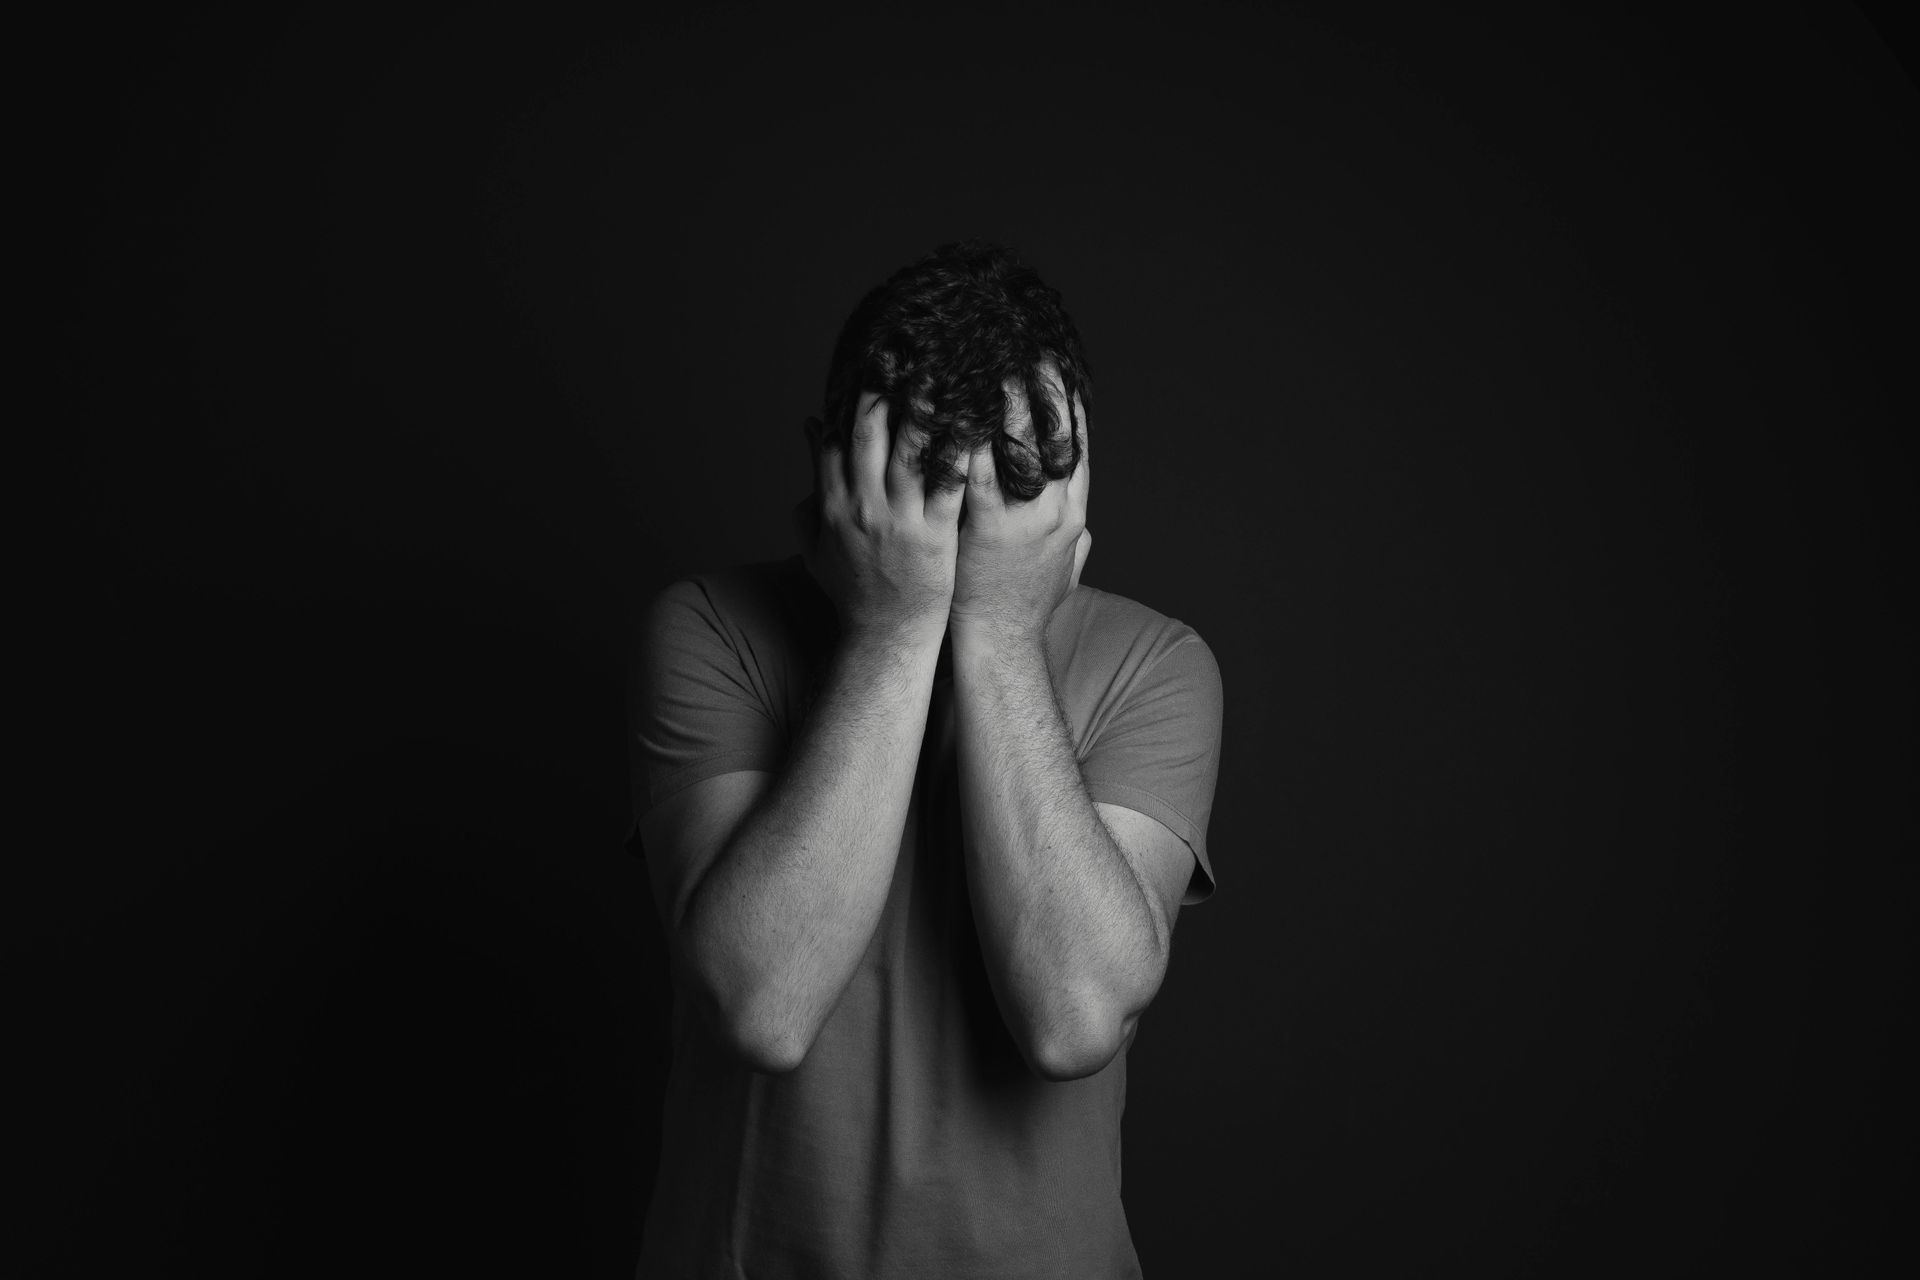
(1081, 550)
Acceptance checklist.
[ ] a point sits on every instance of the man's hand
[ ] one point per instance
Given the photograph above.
(1018, 562)
(884, 547)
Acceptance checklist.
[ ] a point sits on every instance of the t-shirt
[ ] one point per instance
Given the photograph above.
(912, 1140)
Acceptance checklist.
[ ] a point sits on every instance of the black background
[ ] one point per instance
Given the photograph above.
(1516, 404)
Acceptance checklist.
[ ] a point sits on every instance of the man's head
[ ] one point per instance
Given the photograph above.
(942, 340)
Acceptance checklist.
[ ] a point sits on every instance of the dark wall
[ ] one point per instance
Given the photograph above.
(1515, 403)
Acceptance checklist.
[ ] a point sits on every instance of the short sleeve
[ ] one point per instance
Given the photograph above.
(1159, 754)
(696, 708)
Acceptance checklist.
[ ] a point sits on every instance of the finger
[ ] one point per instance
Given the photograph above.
(983, 483)
(868, 464)
(1080, 484)
(943, 504)
(904, 486)
(829, 466)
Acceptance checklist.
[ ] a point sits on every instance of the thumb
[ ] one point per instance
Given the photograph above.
(1080, 550)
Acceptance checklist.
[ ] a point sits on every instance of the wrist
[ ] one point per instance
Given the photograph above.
(900, 635)
(996, 637)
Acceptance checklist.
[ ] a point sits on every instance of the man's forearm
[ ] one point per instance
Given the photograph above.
(1072, 946)
(779, 921)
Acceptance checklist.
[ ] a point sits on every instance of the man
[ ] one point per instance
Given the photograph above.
(919, 810)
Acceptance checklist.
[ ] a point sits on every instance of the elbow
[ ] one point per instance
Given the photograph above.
(767, 1050)
(757, 1030)
(1079, 1045)
(756, 1022)
(1079, 1037)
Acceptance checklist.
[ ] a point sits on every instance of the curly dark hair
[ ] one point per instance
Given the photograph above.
(940, 340)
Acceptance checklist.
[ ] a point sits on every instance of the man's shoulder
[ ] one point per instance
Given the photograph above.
(757, 580)
(750, 596)
(1096, 629)
(1090, 613)
(769, 613)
